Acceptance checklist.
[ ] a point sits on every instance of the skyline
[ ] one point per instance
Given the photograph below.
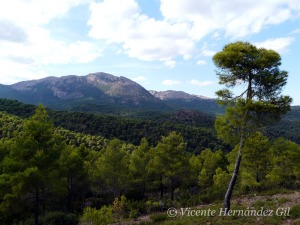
(161, 44)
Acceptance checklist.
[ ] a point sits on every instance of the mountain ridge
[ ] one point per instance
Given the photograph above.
(102, 93)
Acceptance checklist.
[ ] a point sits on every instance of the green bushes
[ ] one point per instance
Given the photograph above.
(60, 218)
(159, 217)
(102, 216)
(295, 211)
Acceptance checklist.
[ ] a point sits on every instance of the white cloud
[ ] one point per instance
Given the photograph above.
(42, 49)
(184, 24)
(26, 46)
(12, 72)
(36, 12)
(140, 36)
(170, 63)
(238, 18)
(201, 62)
(171, 82)
(278, 44)
(201, 83)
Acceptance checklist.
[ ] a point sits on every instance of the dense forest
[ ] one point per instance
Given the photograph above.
(66, 168)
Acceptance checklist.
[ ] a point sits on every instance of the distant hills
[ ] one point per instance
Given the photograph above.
(104, 93)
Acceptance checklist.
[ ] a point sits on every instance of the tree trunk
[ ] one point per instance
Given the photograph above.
(161, 188)
(70, 194)
(144, 189)
(37, 206)
(172, 189)
(234, 176)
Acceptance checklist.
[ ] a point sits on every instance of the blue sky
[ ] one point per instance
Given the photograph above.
(161, 44)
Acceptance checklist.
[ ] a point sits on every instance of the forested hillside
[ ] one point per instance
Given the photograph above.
(57, 166)
(196, 127)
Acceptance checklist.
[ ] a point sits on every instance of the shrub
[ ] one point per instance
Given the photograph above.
(152, 206)
(119, 207)
(158, 217)
(102, 216)
(134, 214)
(59, 218)
(295, 211)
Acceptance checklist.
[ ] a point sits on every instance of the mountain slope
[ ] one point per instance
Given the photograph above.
(93, 92)
(182, 100)
(106, 94)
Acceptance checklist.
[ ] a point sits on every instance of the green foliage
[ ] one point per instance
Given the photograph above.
(256, 157)
(152, 206)
(31, 162)
(9, 125)
(168, 161)
(295, 211)
(16, 108)
(220, 179)
(102, 216)
(159, 217)
(241, 63)
(112, 167)
(205, 165)
(285, 163)
(134, 214)
(256, 162)
(209, 162)
(134, 130)
(196, 127)
(169, 155)
(59, 218)
(139, 159)
(75, 139)
(74, 175)
(119, 207)
(68, 170)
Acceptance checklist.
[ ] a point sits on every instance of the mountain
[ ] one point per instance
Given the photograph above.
(96, 92)
(182, 100)
(169, 95)
(104, 93)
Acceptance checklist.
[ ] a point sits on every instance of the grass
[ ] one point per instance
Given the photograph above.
(239, 215)
(285, 205)
(295, 211)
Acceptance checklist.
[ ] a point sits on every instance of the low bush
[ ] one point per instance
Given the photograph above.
(59, 218)
(295, 211)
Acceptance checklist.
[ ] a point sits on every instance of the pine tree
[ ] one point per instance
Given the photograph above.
(260, 103)
(31, 162)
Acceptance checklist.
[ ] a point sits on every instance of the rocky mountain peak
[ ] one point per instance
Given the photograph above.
(173, 95)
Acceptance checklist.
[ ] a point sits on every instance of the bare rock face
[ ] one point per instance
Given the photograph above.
(66, 95)
(123, 87)
(182, 100)
(171, 95)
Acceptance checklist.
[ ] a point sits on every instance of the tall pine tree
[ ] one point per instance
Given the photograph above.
(256, 70)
